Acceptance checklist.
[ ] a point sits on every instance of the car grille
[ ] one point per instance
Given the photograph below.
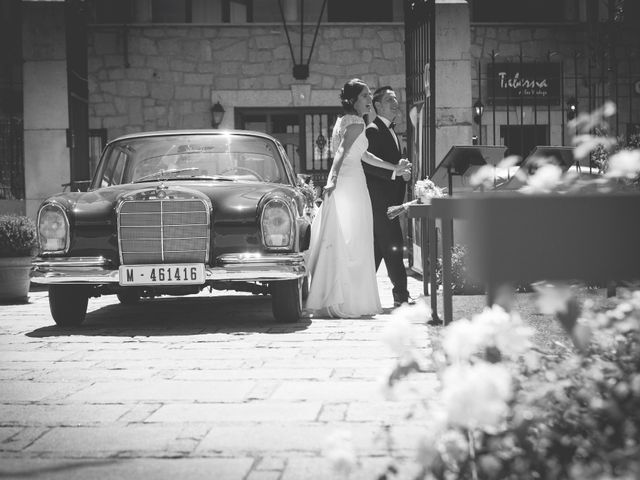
(163, 231)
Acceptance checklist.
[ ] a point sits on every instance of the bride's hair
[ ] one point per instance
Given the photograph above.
(349, 94)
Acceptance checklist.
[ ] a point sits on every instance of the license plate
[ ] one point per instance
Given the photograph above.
(177, 274)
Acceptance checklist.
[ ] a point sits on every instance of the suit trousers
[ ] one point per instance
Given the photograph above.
(389, 246)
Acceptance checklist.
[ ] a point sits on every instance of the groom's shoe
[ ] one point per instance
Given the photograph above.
(397, 303)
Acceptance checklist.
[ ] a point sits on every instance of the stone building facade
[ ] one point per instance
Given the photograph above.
(170, 76)
(150, 76)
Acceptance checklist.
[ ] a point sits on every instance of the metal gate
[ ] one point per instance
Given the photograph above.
(77, 73)
(11, 159)
(420, 70)
(420, 54)
(531, 102)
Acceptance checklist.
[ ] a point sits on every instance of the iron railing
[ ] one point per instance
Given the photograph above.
(12, 186)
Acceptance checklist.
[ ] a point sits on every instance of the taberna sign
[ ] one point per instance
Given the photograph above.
(527, 83)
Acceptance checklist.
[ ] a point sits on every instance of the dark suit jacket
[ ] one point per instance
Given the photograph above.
(384, 192)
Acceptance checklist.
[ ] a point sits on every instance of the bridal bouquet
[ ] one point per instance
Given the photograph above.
(423, 191)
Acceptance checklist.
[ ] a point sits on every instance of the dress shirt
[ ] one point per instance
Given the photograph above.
(390, 126)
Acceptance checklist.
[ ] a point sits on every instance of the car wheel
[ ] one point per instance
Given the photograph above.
(286, 298)
(129, 296)
(68, 304)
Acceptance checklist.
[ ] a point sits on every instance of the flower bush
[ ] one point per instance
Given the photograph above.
(525, 414)
(508, 409)
(17, 236)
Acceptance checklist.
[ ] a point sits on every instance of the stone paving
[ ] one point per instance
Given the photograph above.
(202, 387)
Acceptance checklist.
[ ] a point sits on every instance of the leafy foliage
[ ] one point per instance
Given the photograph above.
(17, 236)
(461, 282)
(511, 411)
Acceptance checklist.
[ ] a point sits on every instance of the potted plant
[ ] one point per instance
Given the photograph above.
(17, 245)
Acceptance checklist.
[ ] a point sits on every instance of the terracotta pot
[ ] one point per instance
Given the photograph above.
(14, 278)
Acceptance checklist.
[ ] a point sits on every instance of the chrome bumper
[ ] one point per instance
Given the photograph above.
(230, 267)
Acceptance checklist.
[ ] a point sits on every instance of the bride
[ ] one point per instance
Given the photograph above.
(341, 260)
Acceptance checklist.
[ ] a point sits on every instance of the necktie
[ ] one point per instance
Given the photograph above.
(392, 125)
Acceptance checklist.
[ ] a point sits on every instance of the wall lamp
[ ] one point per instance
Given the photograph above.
(572, 108)
(217, 114)
(478, 110)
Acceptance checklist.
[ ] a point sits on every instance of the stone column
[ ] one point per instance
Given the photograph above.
(453, 76)
(46, 109)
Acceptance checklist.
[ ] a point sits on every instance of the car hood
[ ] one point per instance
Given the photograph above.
(235, 202)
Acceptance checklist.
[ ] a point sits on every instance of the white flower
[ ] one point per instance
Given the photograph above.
(552, 298)
(624, 164)
(425, 189)
(483, 176)
(494, 327)
(586, 122)
(503, 330)
(428, 442)
(586, 143)
(488, 175)
(475, 396)
(341, 453)
(453, 447)
(419, 312)
(609, 108)
(545, 179)
(509, 162)
(399, 334)
(460, 340)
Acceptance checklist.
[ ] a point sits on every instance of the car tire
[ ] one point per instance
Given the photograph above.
(129, 297)
(68, 304)
(286, 300)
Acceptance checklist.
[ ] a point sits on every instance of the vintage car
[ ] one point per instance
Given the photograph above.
(170, 213)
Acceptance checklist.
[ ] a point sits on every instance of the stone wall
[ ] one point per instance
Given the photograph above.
(166, 77)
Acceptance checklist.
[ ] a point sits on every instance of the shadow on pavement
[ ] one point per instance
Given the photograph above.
(179, 316)
(56, 468)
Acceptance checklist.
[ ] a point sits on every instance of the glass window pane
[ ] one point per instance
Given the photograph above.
(169, 11)
(255, 122)
(518, 11)
(206, 11)
(112, 11)
(360, 10)
(268, 11)
(237, 11)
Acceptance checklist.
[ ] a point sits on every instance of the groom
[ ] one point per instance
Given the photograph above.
(386, 190)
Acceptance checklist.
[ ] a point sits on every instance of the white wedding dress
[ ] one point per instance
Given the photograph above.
(341, 260)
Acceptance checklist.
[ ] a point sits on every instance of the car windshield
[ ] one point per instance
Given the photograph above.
(224, 157)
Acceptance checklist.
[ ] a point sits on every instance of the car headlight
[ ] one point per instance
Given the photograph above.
(277, 225)
(53, 229)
